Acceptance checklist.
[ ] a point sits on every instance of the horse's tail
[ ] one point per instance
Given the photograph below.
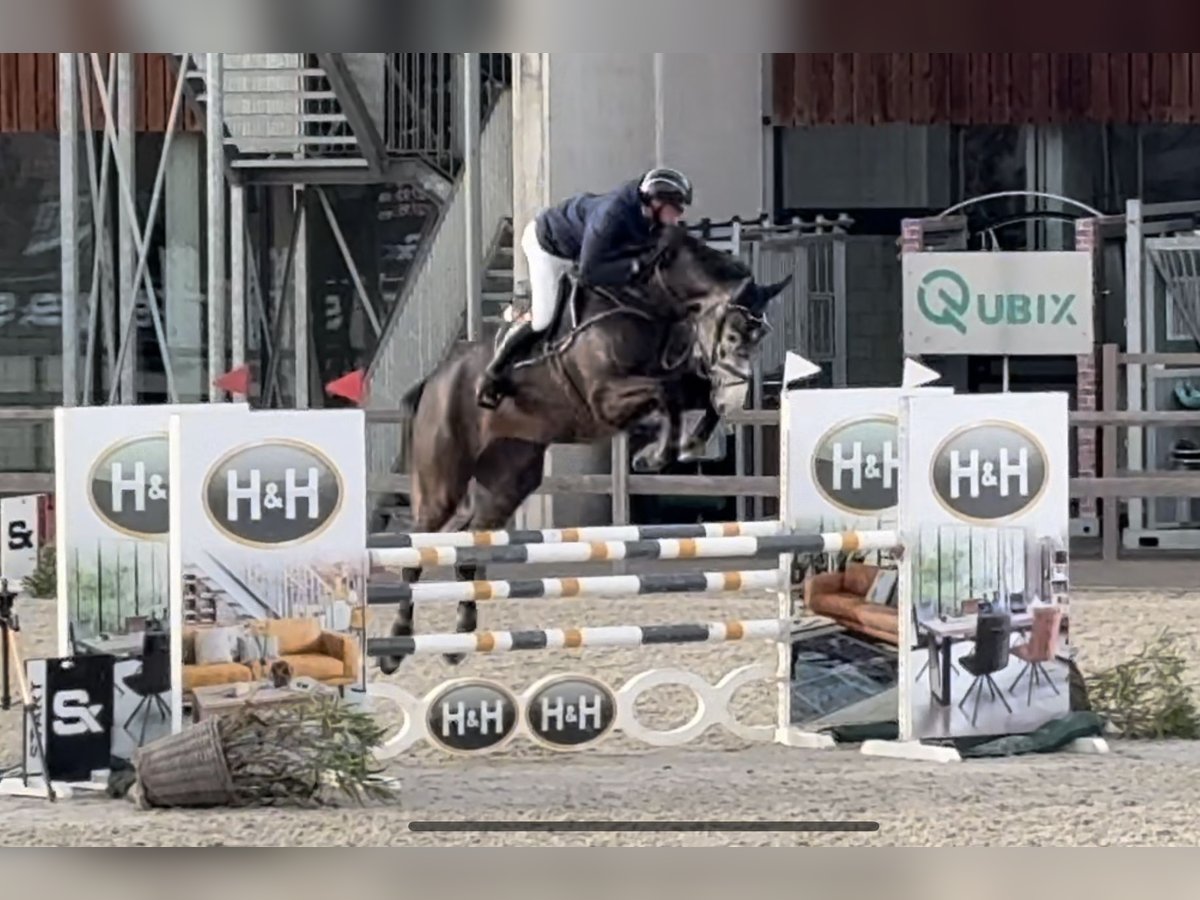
(408, 405)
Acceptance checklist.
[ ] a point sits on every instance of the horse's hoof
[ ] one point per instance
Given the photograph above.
(390, 665)
(652, 463)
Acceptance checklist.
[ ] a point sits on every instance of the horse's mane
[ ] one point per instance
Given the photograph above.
(720, 264)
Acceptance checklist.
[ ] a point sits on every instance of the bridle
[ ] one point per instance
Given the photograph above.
(707, 360)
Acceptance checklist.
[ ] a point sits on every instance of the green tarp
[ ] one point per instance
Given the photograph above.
(1054, 735)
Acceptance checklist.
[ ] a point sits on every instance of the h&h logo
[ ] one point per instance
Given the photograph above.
(989, 471)
(568, 712)
(128, 486)
(471, 716)
(273, 493)
(856, 466)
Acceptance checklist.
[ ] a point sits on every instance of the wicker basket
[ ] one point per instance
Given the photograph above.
(186, 769)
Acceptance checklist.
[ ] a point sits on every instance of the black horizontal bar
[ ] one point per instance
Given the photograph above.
(635, 826)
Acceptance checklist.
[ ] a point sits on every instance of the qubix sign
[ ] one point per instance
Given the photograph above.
(1037, 303)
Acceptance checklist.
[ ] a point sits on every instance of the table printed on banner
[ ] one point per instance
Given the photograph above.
(986, 525)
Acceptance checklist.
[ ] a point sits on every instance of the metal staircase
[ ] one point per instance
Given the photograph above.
(498, 281)
(327, 119)
(319, 118)
(429, 316)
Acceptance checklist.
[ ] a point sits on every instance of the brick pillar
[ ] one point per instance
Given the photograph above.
(912, 236)
(1086, 238)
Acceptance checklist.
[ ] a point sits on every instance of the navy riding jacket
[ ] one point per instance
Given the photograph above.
(602, 232)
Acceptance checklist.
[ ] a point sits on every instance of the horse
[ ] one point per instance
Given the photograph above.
(680, 337)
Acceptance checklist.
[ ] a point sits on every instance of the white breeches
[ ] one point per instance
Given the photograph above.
(545, 273)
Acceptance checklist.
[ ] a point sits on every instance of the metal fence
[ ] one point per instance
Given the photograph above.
(422, 106)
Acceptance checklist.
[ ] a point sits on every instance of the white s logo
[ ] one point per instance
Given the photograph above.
(74, 715)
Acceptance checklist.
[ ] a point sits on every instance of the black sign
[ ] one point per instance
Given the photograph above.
(472, 716)
(856, 466)
(78, 695)
(989, 471)
(570, 712)
(273, 493)
(129, 486)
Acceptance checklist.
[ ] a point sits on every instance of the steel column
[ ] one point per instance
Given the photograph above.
(126, 223)
(237, 278)
(300, 302)
(217, 298)
(472, 194)
(68, 183)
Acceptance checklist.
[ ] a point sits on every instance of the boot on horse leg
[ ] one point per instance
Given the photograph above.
(468, 613)
(444, 515)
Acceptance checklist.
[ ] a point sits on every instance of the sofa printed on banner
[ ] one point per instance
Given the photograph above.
(985, 520)
(273, 519)
(843, 474)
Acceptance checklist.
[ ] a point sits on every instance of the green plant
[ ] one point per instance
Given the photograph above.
(1147, 696)
(283, 754)
(42, 583)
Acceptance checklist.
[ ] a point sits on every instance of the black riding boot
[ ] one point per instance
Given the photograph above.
(494, 384)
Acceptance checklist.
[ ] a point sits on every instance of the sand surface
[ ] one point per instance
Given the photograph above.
(1142, 793)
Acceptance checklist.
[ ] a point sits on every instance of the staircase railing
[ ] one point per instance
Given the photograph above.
(428, 316)
(423, 105)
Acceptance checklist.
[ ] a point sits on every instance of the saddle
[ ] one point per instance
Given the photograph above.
(566, 314)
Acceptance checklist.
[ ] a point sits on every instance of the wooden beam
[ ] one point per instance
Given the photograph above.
(26, 482)
(1127, 417)
(26, 415)
(1148, 486)
(1159, 359)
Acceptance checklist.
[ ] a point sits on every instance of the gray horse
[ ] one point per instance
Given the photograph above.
(681, 338)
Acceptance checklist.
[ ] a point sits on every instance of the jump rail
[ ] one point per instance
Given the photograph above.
(660, 548)
(594, 586)
(573, 535)
(575, 638)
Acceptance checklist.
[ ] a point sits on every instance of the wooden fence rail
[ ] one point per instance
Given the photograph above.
(1110, 486)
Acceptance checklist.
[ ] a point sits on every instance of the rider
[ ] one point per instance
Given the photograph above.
(603, 234)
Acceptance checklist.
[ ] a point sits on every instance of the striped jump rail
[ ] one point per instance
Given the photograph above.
(575, 638)
(658, 548)
(593, 586)
(575, 535)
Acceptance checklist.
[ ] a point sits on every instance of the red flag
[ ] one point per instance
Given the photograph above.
(235, 381)
(352, 386)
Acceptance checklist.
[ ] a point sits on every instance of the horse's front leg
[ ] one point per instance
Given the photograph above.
(656, 454)
(693, 442)
(634, 399)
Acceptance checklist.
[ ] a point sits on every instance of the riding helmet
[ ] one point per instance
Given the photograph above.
(665, 184)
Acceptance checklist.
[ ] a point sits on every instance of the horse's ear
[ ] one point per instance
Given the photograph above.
(761, 295)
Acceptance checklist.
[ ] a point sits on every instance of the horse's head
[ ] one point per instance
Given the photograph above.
(726, 309)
